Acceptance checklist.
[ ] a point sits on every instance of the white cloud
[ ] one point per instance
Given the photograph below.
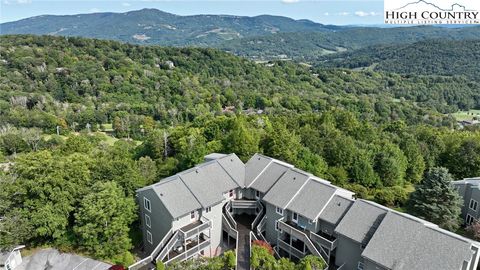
(125, 4)
(290, 1)
(326, 14)
(365, 14)
(343, 13)
(94, 10)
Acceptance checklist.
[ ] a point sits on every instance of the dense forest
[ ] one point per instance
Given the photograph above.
(84, 123)
(312, 46)
(439, 57)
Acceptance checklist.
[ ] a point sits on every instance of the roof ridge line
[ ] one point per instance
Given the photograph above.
(223, 168)
(296, 193)
(258, 175)
(193, 194)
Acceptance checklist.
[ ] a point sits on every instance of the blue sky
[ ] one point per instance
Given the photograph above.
(342, 12)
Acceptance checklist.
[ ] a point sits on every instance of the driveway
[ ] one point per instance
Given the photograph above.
(51, 259)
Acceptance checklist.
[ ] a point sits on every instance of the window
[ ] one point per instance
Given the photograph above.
(279, 211)
(148, 222)
(208, 209)
(469, 219)
(149, 237)
(192, 215)
(295, 217)
(230, 193)
(360, 266)
(473, 204)
(146, 204)
(257, 194)
(276, 226)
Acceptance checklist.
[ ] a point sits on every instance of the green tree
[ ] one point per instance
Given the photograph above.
(241, 140)
(390, 164)
(436, 200)
(102, 220)
(281, 143)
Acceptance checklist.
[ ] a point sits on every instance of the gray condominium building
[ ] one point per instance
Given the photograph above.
(225, 204)
(469, 190)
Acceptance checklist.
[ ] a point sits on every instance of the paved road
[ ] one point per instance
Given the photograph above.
(51, 259)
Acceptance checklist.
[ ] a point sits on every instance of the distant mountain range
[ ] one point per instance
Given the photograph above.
(152, 26)
(262, 37)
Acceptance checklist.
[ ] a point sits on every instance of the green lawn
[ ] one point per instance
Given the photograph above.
(466, 115)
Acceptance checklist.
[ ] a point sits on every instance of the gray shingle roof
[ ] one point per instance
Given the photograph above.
(286, 187)
(201, 186)
(234, 167)
(269, 176)
(176, 197)
(336, 209)
(405, 243)
(254, 166)
(208, 182)
(312, 199)
(361, 220)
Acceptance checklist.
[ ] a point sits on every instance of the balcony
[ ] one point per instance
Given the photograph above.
(195, 228)
(322, 239)
(244, 204)
(188, 249)
(294, 251)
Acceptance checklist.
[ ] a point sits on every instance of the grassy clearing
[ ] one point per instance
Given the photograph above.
(466, 115)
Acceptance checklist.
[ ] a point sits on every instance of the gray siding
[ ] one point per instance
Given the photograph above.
(215, 216)
(272, 216)
(348, 253)
(161, 220)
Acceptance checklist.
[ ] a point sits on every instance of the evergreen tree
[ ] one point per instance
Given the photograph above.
(436, 200)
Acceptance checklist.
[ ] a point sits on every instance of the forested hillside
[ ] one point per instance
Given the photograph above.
(309, 46)
(432, 57)
(152, 26)
(261, 37)
(128, 116)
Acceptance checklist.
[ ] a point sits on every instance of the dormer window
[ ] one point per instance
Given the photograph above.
(279, 211)
(230, 193)
(257, 194)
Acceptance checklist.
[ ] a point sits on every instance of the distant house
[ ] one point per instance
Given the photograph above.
(10, 260)
(469, 190)
(222, 203)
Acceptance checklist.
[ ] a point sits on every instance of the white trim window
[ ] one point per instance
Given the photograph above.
(193, 215)
(279, 211)
(469, 219)
(208, 209)
(473, 205)
(148, 221)
(230, 193)
(294, 217)
(360, 266)
(276, 226)
(147, 205)
(149, 237)
(257, 194)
